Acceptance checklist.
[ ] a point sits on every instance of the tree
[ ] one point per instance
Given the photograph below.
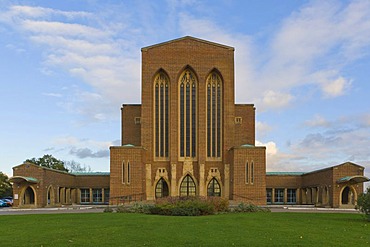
(363, 202)
(74, 166)
(49, 161)
(5, 186)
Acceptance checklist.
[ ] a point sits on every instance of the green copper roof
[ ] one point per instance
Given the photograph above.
(284, 173)
(91, 173)
(247, 146)
(353, 179)
(18, 179)
(128, 145)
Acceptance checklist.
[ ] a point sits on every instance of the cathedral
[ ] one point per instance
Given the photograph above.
(188, 138)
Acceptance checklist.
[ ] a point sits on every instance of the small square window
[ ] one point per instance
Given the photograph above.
(238, 120)
(137, 120)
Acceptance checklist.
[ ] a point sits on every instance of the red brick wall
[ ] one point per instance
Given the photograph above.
(245, 131)
(136, 185)
(256, 192)
(173, 57)
(283, 181)
(131, 131)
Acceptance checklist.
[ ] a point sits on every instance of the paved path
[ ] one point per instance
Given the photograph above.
(59, 210)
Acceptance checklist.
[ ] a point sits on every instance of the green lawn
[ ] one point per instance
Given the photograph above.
(249, 229)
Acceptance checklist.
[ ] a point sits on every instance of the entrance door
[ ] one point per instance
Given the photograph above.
(29, 196)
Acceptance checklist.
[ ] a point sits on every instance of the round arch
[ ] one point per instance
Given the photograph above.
(28, 196)
(50, 196)
(325, 195)
(348, 196)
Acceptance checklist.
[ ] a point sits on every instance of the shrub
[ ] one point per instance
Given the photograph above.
(135, 208)
(220, 204)
(108, 210)
(189, 206)
(249, 208)
(363, 203)
(123, 209)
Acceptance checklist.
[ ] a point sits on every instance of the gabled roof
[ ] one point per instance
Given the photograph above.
(40, 167)
(332, 167)
(188, 38)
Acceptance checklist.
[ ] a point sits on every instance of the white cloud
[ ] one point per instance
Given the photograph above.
(272, 99)
(62, 29)
(271, 148)
(262, 128)
(317, 121)
(36, 12)
(336, 88)
(87, 48)
(331, 84)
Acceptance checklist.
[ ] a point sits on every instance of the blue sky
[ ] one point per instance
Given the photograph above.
(67, 66)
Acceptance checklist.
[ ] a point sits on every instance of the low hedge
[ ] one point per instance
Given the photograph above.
(189, 206)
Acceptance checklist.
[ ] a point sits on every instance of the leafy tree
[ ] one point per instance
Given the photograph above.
(5, 186)
(49, 161)
(74, 166)
(363, 202)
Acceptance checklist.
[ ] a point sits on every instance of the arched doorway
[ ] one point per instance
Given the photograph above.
(214, 188)
(187, 186)
(161, 189)
(29, 196)
(50, 196)
(325, 196)
(347, 196)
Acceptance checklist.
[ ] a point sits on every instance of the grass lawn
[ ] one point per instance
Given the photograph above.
(248, 229)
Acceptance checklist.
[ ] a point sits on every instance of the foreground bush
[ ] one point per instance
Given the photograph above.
(189, 206)
(249, 208)
(135, 208)
(363, 203)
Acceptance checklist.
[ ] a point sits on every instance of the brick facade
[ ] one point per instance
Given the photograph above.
(188, 137)
(36, 186)
(238, 128)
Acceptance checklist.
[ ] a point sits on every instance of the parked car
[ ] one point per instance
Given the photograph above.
(3, 203)
(8, 201)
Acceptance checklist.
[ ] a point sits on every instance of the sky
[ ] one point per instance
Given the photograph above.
(66, 67)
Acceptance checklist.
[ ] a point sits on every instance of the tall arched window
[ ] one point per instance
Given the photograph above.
(214, 115)
(247, 173)
(128, 173)
(161, 189)
(214, 188)
(187, 187)
(161, 119)
(188, 114)
(252, 172)
(126, 176)
(123, 172)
